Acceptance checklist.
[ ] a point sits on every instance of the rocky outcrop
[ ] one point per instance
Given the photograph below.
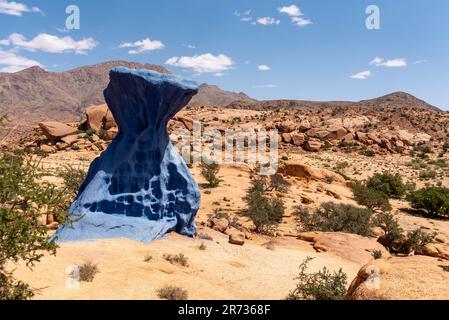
(300, 170)
(100, 117)
(348, 246)
(56, 130)
(401, 278)
(139, 188)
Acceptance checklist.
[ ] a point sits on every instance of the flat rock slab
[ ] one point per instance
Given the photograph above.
(351, 247)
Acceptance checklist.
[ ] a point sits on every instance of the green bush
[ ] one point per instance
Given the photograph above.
(433, 200)
(370, 198)
(209, 171)
(264, 211)
(22, 238)
(393, 237)
(336, 218)
(389, 184)
(87, 271)
(73, 178)
(416, 241)
(321, 285)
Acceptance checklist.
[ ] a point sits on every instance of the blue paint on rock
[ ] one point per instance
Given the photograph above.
(139, 188)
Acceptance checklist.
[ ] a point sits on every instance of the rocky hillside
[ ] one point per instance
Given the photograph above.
(396, 100)
(35, 95)
(209, 95)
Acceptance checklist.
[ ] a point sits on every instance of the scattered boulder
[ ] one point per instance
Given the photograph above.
(47, 149)
(237, 238)
(304, 125)
(337, 133)
(187, 122)
(100, 117)
(298, 139)
(219, 224)
(286, 137)
(70, 139)
(313, 145)
(56, 130)
(436, 250)
(287, 127)
(111, 134)
(317, 133)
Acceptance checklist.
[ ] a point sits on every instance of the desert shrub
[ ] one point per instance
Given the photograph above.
(264, 211)
(377, 254)
(87, 271)
(22, 238)
(422, 149)
(427, 174)
(73, 178)
(204, 236)
(433, 200)
(369, 153)
(441, 163)
(321, 285)
(178, 259)
(389, 184)
(90, 132)
(370, 198)
(393, 237)
(416, 241)
(278, 183)
(209, 171)
(172, 293)
(336, 218)
(202, 247)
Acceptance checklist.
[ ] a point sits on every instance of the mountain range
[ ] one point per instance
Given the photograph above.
(33, 95)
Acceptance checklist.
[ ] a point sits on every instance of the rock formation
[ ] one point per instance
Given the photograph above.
(139, 188)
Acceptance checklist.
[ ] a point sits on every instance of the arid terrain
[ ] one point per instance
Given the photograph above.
(324, 150)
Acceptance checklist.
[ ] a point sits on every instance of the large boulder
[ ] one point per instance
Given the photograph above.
(337, 133)
(139, 188)
(56, 130)
(298, 139)
(99, 117)
(313, 145)
(401, 278)
(287, 127)
(318, 133)
(301, 170)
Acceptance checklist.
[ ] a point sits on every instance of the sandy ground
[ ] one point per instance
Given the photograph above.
(222, 271)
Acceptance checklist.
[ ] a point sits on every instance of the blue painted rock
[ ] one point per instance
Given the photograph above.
(139, 188)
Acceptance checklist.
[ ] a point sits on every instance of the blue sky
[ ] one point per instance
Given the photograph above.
(307, 49)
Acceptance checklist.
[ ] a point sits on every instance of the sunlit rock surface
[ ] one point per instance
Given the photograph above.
(139, 188)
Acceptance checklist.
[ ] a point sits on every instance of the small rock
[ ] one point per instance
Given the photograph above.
(47, 149)
(219, 224)
(237, 238)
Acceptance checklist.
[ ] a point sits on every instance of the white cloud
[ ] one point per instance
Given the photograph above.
(205, 63)
(393, 63)
(301, 22)
(219, 74)
(268, 21)
(264, 67)
(11, 62)
(246, 19)
(265, 86)
(292, 10)
(420, 61)
(362, 75)
(191, 46)
(143, 46)
(16, 9)
(50, 43)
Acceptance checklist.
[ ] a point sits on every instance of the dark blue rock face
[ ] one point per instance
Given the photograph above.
(139, 188)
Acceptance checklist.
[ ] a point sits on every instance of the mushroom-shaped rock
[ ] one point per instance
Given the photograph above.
(139, 188)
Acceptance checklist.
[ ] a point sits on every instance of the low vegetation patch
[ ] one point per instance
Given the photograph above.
(264, 211)
(336, 218)
(433, 200)
(172, 293)
(88, 271)
(177, 259)
(321, 285)
(209, 171)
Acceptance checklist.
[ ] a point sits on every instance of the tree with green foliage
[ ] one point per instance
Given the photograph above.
(264, 211)
(433, 200)
(389, 184)
(321, 285)
(370, 198)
